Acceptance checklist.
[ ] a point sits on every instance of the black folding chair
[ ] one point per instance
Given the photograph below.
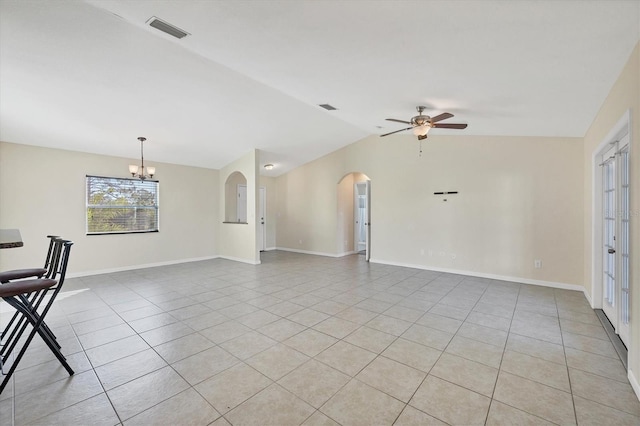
(27, 297)
(19, 274)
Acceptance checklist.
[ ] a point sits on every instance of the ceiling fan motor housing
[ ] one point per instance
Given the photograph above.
(420, 120)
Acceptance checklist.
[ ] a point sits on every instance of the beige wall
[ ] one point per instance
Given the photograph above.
(624, 95)
(238, 241)
(307, 205)
(42, 191)
(520, 199)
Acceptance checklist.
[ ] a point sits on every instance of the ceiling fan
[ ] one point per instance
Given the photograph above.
(421, 124)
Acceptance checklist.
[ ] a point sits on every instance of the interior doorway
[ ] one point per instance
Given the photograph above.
(354, 215)
(361, 218)
(262, 215)
(611, 230)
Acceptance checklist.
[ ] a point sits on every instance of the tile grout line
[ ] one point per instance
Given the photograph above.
(355, 291)
(564, 351)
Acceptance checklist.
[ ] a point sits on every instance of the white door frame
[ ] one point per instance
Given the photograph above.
(262, 214)
(623, 127)
(356, 219)
(367, 255)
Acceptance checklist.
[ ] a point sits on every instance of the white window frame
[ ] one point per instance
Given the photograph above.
(130, 227)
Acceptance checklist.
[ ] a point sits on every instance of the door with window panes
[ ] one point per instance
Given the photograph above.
(615, 233)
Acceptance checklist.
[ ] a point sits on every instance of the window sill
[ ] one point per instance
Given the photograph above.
(121, 232)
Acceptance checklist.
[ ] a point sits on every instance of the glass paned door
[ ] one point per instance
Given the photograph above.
(609, 238)
(615, 236)
(623, 217)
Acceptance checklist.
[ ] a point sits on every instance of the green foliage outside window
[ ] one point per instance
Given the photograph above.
(116, 205)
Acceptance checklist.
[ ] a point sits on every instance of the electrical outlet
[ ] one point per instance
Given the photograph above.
(300, 241)
(537, 264)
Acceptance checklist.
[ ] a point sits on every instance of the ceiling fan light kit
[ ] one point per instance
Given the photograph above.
(421, 130)
(421, 124)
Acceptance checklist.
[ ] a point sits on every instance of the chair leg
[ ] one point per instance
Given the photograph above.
(21, 325)
(15, 295)
(37, 328)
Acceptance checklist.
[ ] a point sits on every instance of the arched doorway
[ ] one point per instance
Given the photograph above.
(354, 214)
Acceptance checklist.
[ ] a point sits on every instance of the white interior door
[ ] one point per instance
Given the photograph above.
(360, 217)
(623, 242)
(262, 226)
(241, 206)
(609, 302)
(367, 255)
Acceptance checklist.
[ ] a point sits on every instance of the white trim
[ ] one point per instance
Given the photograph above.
(239, 259)
(263, 226)
(270, 248)
(553, 284)
(316, 253)
(588, 297)
(132, 267)
(634, 383)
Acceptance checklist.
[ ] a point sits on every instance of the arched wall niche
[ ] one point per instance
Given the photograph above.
(235, 204)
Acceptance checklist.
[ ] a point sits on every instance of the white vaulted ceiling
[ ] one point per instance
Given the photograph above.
(92, 76)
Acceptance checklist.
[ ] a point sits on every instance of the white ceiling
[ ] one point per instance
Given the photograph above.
(92, 76)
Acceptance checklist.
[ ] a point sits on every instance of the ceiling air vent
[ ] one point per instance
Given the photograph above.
(327, 107)
(167, 28)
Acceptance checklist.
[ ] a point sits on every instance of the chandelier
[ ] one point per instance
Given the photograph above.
(140, 172)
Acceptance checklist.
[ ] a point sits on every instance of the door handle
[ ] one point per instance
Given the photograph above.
(611, 251)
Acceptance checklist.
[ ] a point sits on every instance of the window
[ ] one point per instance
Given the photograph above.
(120, 206)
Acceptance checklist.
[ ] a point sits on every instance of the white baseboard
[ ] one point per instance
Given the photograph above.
(552, 284)
(382, 262)
(239, 259)
(634, 383)
(270, 248)
(588, 297)
(316, 253)
(132, 267)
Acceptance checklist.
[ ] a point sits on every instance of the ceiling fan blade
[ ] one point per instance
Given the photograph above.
(450, 126)
(398, 121)
(441, 117)
(401, 130)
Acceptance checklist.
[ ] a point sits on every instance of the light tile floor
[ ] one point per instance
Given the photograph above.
(313, 340)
